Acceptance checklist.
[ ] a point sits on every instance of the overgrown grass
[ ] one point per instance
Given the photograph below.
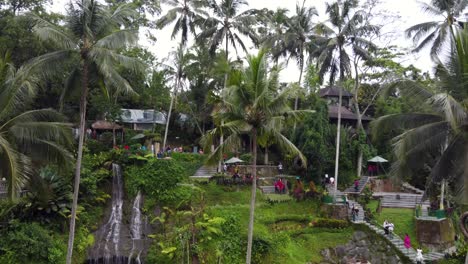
(403, 219)
(284, 225)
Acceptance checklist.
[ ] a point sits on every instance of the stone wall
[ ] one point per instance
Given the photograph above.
(362, 248)
(335, 211)
(262, 170)
(383, 185)
(437, 234)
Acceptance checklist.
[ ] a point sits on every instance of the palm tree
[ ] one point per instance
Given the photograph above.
(228, 25)
(440, 134)
(437, 32)
(296, 41)
(253, 105)
(89, 41)
(188, 14)
(177, 69)
(332, 56)
(27, 136)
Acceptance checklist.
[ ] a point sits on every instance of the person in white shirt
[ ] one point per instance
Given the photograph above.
(280, 168)
(419, 256)
(332, 180)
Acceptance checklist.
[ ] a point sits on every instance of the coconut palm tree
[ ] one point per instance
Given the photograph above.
(253, 105)
(228, 25)
(439, 134)
(27, 136)
(188, 14)
(344, 34)
(296, 41)
(89, 42)
(177, 68)
(437, 32)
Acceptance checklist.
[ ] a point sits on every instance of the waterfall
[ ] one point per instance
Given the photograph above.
(121, 240)
(136, 230)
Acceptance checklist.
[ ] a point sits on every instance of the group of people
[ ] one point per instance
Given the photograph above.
(372, 170)
(280, 186)
(328, 180)
(388, 228)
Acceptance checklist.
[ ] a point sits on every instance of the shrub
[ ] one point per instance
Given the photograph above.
(95, 146)
(158, 178)
(25, 243)
(329, 223)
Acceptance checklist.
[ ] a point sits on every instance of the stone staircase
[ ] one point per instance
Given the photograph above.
(362, 183)
(205, 172)
(401, 200)
(409, 187)
(394, 239)
(360, 216)
(399, 244)
(267, 189)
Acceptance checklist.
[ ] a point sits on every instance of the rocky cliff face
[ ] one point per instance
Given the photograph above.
(362, 248)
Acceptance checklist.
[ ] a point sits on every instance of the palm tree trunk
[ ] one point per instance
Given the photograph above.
(252, 199)
(296, 102)
(221, 138)
(359, 117)
(168, 118)
(114, 140)
(338, 131)
(84, 94)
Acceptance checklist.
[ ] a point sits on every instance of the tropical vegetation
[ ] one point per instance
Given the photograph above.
(90, 89)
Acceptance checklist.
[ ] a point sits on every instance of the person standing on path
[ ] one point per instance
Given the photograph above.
(407, 242)
(280, 168)
(419, 256)
(356, 185)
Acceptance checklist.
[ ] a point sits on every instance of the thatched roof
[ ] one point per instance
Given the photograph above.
(105, 125)
(334, 91)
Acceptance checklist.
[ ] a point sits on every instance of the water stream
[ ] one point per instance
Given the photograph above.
(116, 241)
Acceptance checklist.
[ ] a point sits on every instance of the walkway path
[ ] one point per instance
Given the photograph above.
(362, 184)
(400, 200)
(205, 172)
(394, 239)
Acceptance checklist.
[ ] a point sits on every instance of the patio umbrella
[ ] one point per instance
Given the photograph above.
(233, 160)
(138, 136)
(378, 159)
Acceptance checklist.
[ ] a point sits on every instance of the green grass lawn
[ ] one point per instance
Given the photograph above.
(402, 218)
(285, 222)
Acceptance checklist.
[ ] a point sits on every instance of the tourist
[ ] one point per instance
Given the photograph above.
(353, 213)
(279, 186)
(327, 180)
(332, 181)
(280, 168)
(385, 226)
(419, 256)
(407, 242)
(391, 226)
(356, 185)
(224, 168)
(160, 155)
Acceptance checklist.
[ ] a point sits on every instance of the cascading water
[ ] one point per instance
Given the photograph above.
(136, 231)
(116, 242)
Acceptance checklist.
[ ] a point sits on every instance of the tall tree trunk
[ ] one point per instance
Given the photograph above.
(359, 126)
(252, 199)
(221, 138)
(114, 139)
(266, 156)
(84, 94)
(168, 118)
(338, 128)
(296, 102)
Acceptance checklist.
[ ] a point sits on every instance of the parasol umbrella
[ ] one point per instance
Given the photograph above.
(233, 160)
(138, 136)
(379, 160)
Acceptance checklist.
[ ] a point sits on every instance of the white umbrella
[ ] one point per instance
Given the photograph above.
(233, 160)
(378, 159)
